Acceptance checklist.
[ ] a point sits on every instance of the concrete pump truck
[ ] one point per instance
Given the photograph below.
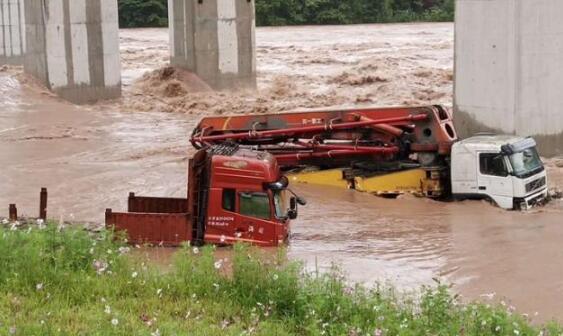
(238, 181)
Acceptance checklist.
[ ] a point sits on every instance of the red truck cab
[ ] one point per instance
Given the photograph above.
(234, 195)
(243, 204)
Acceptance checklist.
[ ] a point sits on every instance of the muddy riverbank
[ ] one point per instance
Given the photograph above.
(91, 157)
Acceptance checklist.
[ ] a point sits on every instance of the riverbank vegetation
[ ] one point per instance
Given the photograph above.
(154, 13)
(66, 281)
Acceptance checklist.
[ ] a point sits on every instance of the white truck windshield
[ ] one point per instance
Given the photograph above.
(526, 162)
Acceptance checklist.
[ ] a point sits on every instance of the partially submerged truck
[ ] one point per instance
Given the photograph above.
(234, 195)
(389, 151)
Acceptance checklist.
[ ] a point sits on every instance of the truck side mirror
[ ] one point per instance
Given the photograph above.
(292, 214)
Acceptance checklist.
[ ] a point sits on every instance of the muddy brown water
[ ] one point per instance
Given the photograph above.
(90, 158)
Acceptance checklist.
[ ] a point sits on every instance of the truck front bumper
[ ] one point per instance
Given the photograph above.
(528, 202)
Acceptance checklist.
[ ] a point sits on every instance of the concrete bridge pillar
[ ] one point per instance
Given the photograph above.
(509, 69)
(214, 39)
(12, 32)
(73, 47)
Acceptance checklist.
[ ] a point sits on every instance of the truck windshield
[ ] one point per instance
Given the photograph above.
(280, 204)
(526, 163)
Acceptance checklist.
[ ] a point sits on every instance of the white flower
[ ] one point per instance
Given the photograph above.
(156, 333)
(195, 250)
(238, 234)
(109, 251)
(483, 323)
(100, 266)
(12, 330)
(124, 250)
(159, 291)
(275, 277)
(39, 286)
(134, 275)
(516, 332)
(497, 328)
(378, 332)
(223, 238)
(218, 264)
(114, 321)
(107, 310)
(216, 286)
(5, 221)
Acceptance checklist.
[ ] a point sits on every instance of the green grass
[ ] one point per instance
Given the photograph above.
(70, 282)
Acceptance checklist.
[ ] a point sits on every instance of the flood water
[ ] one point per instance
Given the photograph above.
(90, 158)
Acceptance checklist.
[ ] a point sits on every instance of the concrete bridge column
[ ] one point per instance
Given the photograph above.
(509, 69)
(12, 32)
(214, 39)
(73, 47)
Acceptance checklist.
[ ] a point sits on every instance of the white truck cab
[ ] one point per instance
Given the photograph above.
(503, 168)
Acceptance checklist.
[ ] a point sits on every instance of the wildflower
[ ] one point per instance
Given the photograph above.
(218, 264)
(516, 332)
(275, 277)
(109, 251)
(195, 250)
(216, 286)
(378, 332)
(483, 323)
(238, 234)
(41, 224)
(39, 286)
(223, 238)
(107, 310)
(100, 266)
(156, 333)
(159, 291)
(134, 275)
(5, 221)
(225, 324)
(124, 250)
(12, 330)
(497, 328)
(92, 250)
(114, 321)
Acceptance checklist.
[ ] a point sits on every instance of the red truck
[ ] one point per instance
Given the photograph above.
(234, 195)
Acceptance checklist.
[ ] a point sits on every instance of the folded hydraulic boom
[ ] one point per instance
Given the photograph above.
(362, 144)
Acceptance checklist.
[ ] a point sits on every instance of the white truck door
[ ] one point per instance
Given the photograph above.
(494, 180)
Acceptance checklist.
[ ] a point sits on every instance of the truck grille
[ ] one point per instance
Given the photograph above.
(535, 185)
